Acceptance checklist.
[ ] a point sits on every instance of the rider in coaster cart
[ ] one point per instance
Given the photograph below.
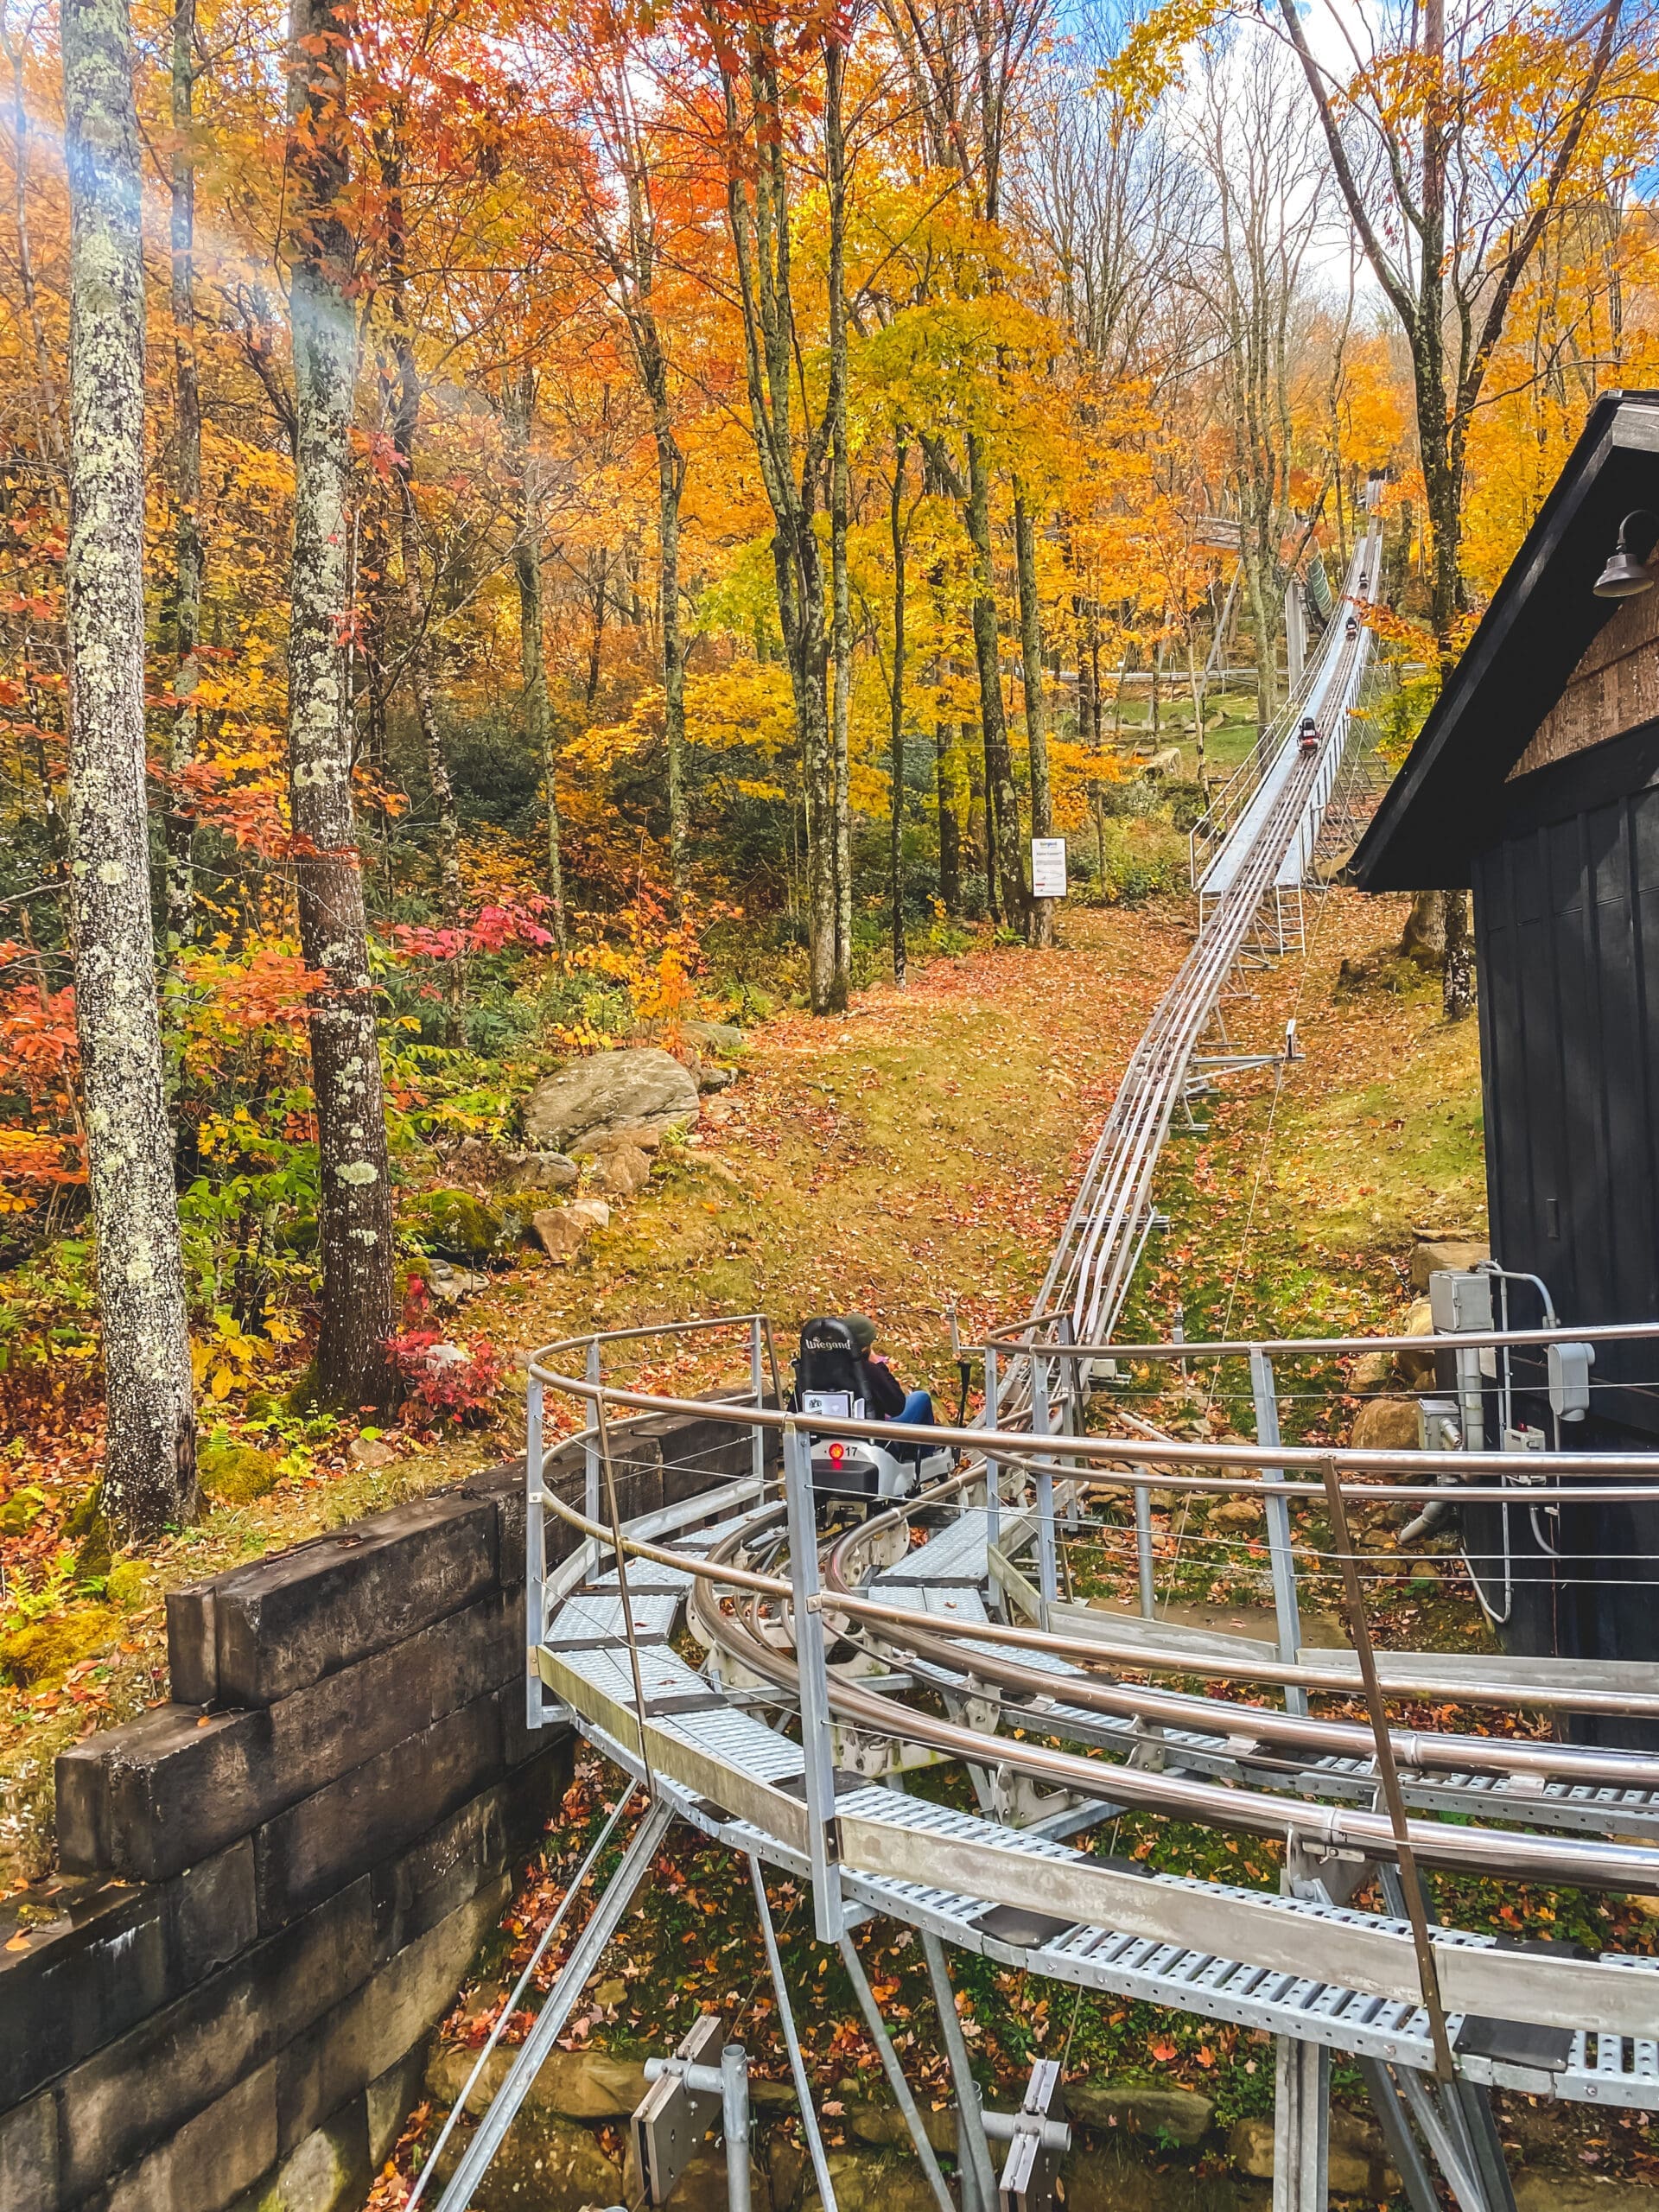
(839, 1374)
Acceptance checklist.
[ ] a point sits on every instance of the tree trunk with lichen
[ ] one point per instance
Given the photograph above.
(180, 818)
(1457, 975)
(1040, 919)
(149, 1466)
(355, 1203)
(539, 732)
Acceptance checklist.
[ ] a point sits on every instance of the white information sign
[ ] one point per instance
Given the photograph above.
(1048, 867)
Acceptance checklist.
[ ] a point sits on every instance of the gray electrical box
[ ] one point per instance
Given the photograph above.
(1438, 1427)
(1569, 1380)
(1459, 1298)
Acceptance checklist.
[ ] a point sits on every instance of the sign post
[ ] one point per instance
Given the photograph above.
(1048, 867)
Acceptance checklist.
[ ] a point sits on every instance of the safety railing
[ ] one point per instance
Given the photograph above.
(782, 1603)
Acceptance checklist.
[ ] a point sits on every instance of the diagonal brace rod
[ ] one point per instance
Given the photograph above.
(894, 2072)
(602, 1924)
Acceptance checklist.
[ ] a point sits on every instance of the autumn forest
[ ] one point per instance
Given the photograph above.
(521, 526)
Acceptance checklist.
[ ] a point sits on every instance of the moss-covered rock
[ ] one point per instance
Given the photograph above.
(235, 1474)
(45, 1650)
(128, 1584)
(454, 1225)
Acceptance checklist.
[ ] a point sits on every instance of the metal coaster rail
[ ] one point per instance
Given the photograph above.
(1111, 1216)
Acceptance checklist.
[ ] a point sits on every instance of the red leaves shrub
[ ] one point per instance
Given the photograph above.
(448, 1385)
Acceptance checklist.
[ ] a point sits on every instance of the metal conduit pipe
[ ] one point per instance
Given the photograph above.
(1463, 1850)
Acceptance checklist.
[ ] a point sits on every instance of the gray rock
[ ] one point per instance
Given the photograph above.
(450, 1285)
(1358, 2164)
(714, 1036)
(1386, 1425)
(1430, 1254)
(571, 2085)
(884, 2123)
(642, 1083)
(1540, 2192)
(1112, 2178)
(544, 2161)
(562, 1230)
(539, 1171)
(1179, 2116)
(712, 1079)
(872, 2181)
(702, 2186)
(623, 1169)
(627, 1136)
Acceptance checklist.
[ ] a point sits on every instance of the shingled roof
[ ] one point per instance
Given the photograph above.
(1543, 618)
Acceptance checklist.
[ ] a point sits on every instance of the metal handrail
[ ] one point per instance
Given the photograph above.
(1016, 1447)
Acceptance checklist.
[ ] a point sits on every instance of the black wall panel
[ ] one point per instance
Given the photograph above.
(1566, 928)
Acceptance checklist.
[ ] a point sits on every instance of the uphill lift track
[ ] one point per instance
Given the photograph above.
(789, 1740)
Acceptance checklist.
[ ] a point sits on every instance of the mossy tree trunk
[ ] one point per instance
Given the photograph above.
(355, 1204)
(150, 1467)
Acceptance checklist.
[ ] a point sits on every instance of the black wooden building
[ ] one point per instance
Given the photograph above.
(1536, 782)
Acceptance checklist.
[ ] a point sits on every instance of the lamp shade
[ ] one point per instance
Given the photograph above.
(1625, 576)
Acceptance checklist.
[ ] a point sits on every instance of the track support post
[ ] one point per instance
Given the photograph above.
(590, 1450)
(758, 1384)
(1301, 2126)
(1042, 1424)
(534, 1554)
(1143, 1562)
(993, 1498)
(973, 2151)
(1281, 1555)
(829, 1918)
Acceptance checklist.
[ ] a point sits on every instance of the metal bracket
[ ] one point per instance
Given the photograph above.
(1035, 2142)
(678, 2108)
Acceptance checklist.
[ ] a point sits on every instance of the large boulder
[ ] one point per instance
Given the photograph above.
(1358, 2165)
(883, 2123)
(871, 2180)
(545, 2162)
(1417, 1366)
(569, 2085)
(452, 1224)
(641, 1087)
(1431, 1253)
(1180, 2117)
(714, 1036)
